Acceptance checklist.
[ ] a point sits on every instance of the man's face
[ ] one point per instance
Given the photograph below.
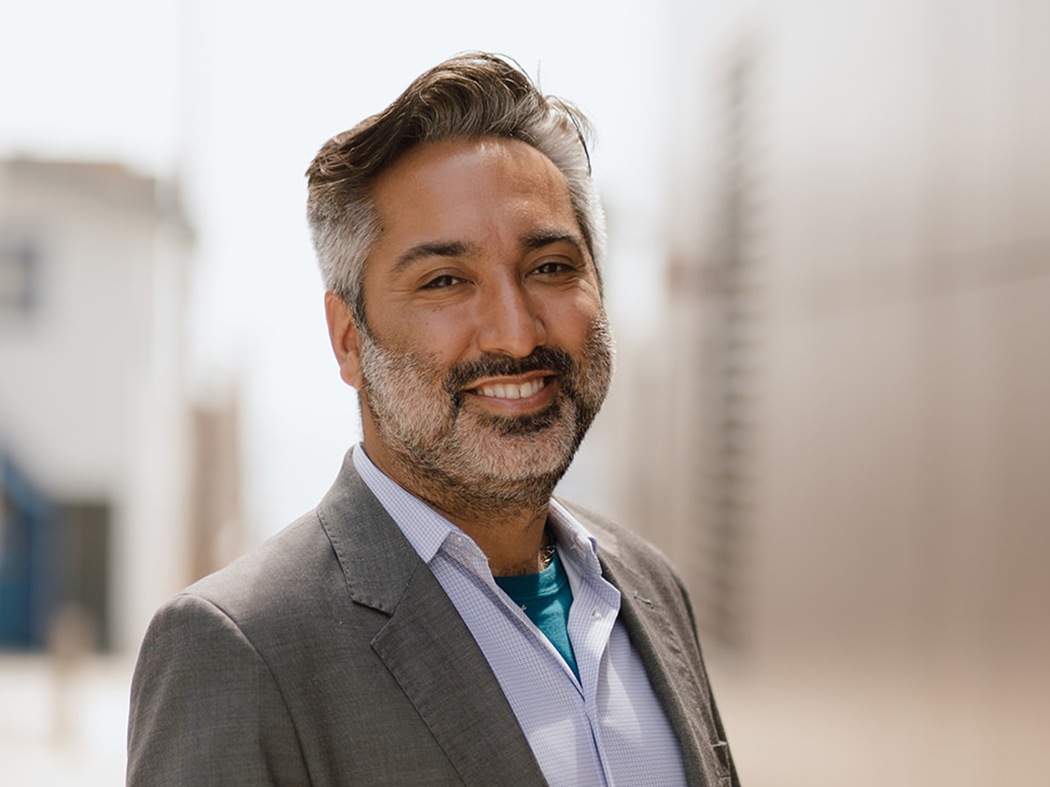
(486, 355)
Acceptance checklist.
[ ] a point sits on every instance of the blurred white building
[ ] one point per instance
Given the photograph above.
(102, 476)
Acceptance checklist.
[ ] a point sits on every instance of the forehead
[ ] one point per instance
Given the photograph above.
(469, 189)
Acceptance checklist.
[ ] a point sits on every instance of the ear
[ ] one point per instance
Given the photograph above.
(342, 330)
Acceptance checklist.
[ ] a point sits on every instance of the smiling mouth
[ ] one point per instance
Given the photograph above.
(512, 390)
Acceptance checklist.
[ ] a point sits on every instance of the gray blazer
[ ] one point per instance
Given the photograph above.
(331, 656)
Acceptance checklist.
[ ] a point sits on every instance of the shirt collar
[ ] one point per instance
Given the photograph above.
(424, 527)
(428, 531)
(574, 538)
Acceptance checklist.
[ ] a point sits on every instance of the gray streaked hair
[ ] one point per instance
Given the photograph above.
(471, 95)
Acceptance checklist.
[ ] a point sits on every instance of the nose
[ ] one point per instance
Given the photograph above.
(509, 323)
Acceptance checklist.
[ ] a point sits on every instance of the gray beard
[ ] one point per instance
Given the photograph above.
(466, 462)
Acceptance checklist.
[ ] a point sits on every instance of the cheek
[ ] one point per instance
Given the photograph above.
(444, 334)
(571, 320)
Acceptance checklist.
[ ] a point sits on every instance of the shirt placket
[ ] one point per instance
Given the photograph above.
(591, 622)
(463, 551)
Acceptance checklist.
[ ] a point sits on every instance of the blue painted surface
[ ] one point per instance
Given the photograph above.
(30, 563)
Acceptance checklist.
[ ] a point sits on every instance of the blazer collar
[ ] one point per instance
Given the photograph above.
(425, 644)
(377, 560)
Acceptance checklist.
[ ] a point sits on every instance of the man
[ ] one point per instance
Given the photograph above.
(439, 619)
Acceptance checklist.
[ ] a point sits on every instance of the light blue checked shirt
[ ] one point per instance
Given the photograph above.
(606, 729)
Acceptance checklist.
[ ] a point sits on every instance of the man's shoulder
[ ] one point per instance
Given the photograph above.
(613, 536)
(340, 535)
(296, 557)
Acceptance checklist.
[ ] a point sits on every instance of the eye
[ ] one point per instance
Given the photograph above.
(441, 282)
(549, 267)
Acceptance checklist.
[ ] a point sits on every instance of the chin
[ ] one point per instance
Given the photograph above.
(517, 450)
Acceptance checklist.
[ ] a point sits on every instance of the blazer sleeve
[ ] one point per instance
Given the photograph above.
(205, 708)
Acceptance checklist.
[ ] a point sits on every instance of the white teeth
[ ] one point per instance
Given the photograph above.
(511, 391)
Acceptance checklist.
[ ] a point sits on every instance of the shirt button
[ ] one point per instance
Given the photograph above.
(596, 613)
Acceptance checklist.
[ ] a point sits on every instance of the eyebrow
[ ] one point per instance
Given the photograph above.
(541, 238)
(433, 249)
(531, 242)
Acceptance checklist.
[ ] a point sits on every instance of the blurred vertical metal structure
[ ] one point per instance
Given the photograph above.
(725, 359)
(693, 394)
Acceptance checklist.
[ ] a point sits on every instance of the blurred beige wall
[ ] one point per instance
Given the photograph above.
(841, 433)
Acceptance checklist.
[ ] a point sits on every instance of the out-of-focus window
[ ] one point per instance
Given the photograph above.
(20, 260)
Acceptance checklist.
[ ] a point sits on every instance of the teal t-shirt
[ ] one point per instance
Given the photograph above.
(546, 598)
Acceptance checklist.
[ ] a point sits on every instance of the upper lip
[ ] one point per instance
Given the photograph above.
(517, 379)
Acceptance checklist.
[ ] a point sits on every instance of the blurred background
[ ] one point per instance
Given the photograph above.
(829, 275)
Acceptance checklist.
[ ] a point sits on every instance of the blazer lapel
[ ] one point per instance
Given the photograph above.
(661, 650)
(670, 661)
(431, 653)
(426, 645)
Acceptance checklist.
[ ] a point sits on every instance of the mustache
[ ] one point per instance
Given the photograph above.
(552, 359)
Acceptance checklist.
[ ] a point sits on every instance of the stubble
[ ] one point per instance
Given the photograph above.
(466, 461)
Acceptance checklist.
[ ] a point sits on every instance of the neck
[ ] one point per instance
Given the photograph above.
(513, 537)
(506, 521)
(513, 548)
